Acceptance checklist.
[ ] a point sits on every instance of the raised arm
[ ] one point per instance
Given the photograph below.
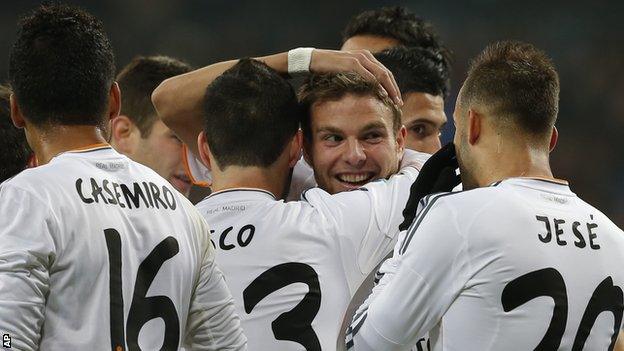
(179, 100)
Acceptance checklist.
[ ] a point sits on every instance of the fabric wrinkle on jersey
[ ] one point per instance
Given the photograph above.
(477, 270)
(313, 254)
(75, 238)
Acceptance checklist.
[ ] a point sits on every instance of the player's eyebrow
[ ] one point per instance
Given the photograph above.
(372, 126)
(426, 121)
(329, 129)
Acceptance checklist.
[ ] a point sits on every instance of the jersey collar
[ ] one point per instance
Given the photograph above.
(541, 179)
(245, 191)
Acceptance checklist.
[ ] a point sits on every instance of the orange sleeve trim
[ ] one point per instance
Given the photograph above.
(187, 169)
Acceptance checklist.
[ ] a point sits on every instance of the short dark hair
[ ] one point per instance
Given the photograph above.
(251, 113)
(138, 79)
(15, 151)
(418, 69)
(398, 23)
(334, 86)
(61, 67)
(517, 82)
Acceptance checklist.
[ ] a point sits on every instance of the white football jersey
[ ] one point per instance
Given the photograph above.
(99, 252)
(293, 266)
(523, 264)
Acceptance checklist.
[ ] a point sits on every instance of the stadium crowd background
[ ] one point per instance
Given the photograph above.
(584, 40)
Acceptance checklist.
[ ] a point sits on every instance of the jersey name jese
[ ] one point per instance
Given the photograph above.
(523, 264)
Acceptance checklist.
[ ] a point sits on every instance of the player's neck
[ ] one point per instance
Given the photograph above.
(248, 177)
(515, 162)
(58, 139)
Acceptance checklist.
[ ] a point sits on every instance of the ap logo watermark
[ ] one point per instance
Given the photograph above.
(6, 341)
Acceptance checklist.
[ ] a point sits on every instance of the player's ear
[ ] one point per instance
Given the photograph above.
(204, 150)
(553, 139)
(474, 126)
(114, 101)
(124, 134)
(295, 149)
(16, 114)
(307, 145)
(400, 140)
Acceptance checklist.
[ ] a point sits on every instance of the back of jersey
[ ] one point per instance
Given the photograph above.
(102, 251)
(293, 267)
(538, 269)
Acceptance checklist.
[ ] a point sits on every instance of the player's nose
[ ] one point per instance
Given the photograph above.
(354, 154)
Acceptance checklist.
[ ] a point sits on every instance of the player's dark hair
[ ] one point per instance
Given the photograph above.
(251, 113)
(15, 151)
(398, 23)
(61, 67)
(418, 69)
(138, 79)
(334, 86)
(517, 82)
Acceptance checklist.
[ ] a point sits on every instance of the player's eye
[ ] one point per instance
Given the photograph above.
(421, 130)
(373, 137)
(332, 138)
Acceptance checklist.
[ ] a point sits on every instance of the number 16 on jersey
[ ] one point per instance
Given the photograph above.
(142, 309)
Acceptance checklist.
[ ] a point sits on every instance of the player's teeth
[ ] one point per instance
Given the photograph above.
(353, 178)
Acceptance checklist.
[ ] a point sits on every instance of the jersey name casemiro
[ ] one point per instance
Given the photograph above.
(293, 266)
(98, 250)
(523, 264)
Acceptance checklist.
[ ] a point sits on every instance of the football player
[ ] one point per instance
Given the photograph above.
(97, 250)
(423, 77)
(518, 262)
(294, 266)
(178, 102)
(138, 132)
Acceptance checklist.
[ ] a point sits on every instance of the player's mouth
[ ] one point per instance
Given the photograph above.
(354, 180)
(181, 182)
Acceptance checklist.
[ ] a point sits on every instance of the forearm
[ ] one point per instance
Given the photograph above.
(179, 100)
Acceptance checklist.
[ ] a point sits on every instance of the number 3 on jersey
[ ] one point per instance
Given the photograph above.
(296, 324)
(143, 309)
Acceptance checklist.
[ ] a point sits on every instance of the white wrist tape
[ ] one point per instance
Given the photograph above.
(299, 61)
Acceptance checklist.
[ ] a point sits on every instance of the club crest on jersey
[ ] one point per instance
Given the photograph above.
(146, 194)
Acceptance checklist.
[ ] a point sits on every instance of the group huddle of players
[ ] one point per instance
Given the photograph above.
(336, 219)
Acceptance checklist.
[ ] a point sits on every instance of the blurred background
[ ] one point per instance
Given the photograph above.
(584, 39)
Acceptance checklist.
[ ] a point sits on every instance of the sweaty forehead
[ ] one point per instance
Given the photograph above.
(350, 114)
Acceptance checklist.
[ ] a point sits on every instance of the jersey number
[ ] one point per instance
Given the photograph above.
(549, 282)
(296, 324)
(143, 309)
